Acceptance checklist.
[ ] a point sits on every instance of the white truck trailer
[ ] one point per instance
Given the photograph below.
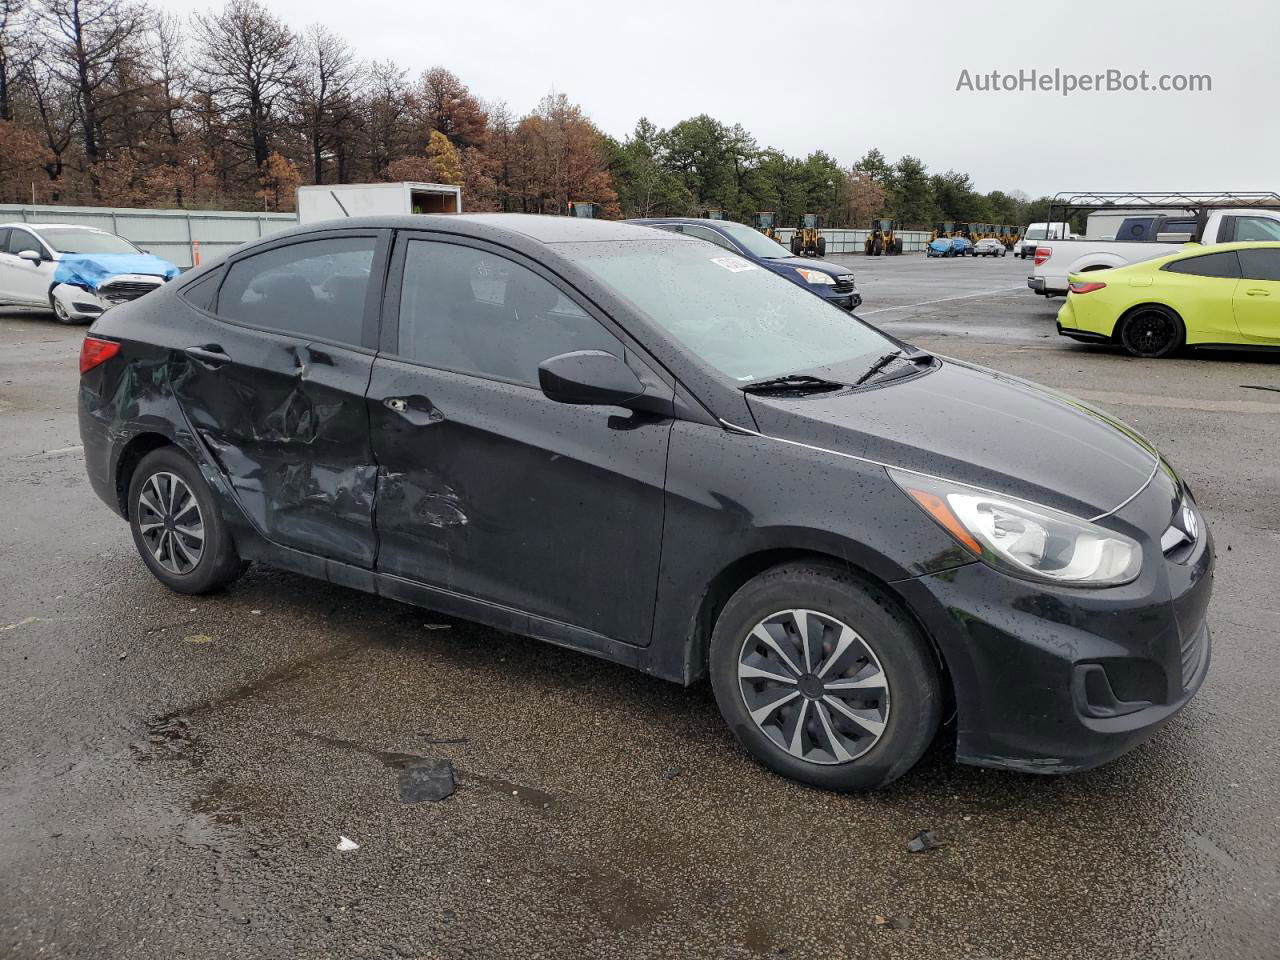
(342, 200)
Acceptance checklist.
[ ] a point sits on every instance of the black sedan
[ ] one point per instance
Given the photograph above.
(830, 281)
(626, 443)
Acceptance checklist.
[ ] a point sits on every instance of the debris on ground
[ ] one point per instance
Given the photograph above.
(670, 773)
(345, 844)
(426, 780)
(924, 841)
(198, 638)
(893, 923)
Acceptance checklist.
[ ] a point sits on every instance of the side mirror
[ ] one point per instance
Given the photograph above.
(31, 255)
(589, 377)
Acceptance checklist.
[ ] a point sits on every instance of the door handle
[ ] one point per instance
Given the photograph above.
(419, 411)
(1255, 292)
(210, 355)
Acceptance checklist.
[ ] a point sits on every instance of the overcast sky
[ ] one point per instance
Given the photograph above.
(845, 76)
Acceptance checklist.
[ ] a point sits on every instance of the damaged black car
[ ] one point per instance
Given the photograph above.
(640, 446)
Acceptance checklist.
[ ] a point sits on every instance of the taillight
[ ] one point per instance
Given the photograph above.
(1043, 254)
(95, 351)
(1082, 286)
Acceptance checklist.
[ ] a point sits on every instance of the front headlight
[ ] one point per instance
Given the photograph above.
(816, 276)
(1026, 539)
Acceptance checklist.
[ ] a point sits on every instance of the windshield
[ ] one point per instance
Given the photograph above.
(747, 322)
(754, 242)
(1035, 233)
(77, 240)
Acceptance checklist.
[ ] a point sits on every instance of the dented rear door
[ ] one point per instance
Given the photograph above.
(274, 385)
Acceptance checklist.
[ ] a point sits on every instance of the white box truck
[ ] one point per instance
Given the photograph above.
(342, 200)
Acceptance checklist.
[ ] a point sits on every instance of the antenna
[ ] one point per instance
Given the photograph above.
(334, 194)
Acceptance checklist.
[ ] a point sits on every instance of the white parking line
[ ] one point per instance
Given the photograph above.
(925, 303)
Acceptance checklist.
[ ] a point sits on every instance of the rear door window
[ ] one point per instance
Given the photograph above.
(313, 289)
(1223, 265)
(1260, 264)
(1256, 228)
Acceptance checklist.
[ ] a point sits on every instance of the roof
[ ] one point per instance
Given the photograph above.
(548, 229)
(50, 226)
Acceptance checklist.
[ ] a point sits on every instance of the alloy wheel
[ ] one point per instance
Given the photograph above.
(170, 522)
(813, 686)
(1150, 333)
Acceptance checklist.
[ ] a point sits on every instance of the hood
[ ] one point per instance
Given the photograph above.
(977, 426)
(92, 270)
(831, 269)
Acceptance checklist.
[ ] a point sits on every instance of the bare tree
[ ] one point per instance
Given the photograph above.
(386, 116)
(326, 95)
(55, 113)
(91, 43)
(13, 25)
(248, 58)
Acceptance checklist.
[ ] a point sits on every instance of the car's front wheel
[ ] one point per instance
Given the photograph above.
(176, 525)
(1151, 331)
(824, 679)
(61, 312)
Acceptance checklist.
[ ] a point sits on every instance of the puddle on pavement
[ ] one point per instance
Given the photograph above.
(169, 738)
(395, 760)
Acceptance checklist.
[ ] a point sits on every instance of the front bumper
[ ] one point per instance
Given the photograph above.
(848, 300)
(81, 303)
(1051, 679)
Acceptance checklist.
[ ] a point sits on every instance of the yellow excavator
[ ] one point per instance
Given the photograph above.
(766, 222)
(883, 239)
(808, 240)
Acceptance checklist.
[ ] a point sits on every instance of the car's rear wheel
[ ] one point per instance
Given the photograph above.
(176, 526)
(1151, 331)
(824, 679)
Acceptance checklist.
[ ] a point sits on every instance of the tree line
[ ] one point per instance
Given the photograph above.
(111, 102)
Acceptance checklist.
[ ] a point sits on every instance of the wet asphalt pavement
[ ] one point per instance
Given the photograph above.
(175, 773)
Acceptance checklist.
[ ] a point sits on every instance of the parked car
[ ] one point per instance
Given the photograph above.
(1056, 260)
(830, 281)
(962, 246)
(1227, 294)
(942, 247)
(600, 435)
(78, 272)
(989, 247)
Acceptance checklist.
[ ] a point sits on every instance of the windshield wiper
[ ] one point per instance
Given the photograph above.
(793, 383)
(916, 356)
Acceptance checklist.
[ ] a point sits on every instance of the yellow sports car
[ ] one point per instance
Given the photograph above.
(1222, 295)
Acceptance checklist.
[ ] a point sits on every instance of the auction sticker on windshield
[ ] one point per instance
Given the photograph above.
(733, 264)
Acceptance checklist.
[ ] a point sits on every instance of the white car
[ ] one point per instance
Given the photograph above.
(30, 254)
(989, 247)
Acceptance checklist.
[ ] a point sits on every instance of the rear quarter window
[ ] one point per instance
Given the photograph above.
(1224, 265)
(203, 292)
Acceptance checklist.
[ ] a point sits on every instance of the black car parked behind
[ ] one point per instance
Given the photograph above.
(623, 442)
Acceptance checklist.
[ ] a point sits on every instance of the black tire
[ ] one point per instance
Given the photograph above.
(822, 246)
(796, 246)
(217, 563)
(912, 697)
(1151, 331)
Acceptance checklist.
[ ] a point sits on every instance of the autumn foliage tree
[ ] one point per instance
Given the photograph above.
(110, 102)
